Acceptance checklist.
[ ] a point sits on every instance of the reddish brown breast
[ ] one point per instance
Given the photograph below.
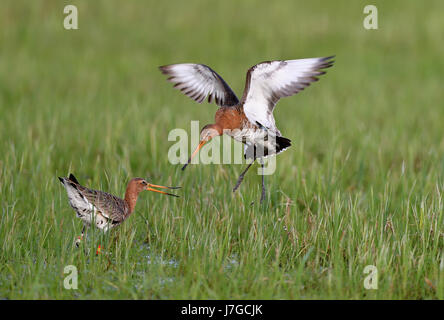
(231, 118)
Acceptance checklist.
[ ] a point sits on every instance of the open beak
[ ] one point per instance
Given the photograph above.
(150, 187)
(201, 144)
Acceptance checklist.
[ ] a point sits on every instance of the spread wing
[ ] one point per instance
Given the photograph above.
(267, 82)
(198, 82)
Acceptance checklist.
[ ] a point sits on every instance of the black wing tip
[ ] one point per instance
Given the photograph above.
(326, 62)
(68, 181)
(165, 69)
(73, 178)
(328, 58)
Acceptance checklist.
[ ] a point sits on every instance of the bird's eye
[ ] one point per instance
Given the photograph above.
(144, 183)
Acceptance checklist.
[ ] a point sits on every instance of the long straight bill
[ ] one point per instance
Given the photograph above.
(151, 187)
(163, 187)
(201, 144)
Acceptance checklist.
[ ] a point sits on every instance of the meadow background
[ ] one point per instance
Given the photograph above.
(362, 184)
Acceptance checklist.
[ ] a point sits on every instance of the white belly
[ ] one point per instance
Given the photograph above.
(94, 218)
(249, 136)
(89, 214)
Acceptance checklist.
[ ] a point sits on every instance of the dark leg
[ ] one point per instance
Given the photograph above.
(241, 177)
(263, 184)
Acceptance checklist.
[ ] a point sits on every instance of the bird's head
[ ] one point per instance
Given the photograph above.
(138, 185)
(206, 134)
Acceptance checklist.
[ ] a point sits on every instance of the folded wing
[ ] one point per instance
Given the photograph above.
(110, 206)
(198, 82)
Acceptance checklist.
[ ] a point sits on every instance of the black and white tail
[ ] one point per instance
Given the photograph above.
(269, 148)
(76, 199)
(282, 144)
(73, 179)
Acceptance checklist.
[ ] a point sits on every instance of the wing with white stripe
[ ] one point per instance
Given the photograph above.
(198, 82)
(267, 82)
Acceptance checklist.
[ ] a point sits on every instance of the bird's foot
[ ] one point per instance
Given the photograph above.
(78, 240)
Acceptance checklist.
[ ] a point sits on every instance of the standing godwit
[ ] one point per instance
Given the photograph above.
(251, 120)
(103, 209)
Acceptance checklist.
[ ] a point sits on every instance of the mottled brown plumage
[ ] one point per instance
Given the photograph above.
(103, 209)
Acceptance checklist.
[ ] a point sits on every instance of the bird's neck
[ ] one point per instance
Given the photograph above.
(131, 195)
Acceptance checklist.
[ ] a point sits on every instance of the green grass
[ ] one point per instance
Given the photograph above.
(362, 184)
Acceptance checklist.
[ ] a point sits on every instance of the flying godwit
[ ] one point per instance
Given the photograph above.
(251, 120)
(103, 209)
